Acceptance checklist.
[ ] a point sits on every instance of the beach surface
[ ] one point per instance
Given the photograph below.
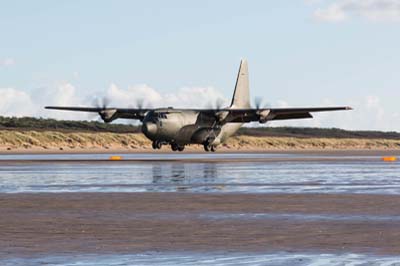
(85, 223)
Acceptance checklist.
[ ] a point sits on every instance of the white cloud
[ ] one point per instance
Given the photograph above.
(184, 97)
(374, 10)
(15, 102)
(281, 104)
(312, 2)
(333, 13)
(6, 62)
(368, 114)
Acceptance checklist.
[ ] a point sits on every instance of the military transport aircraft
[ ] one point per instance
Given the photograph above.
(207, 127)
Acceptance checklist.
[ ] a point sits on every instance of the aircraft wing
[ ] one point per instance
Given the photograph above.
(224, 115)
(79, 109)
(107, 114)
(268, 114)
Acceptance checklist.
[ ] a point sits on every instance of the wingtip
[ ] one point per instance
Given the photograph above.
(348, 108)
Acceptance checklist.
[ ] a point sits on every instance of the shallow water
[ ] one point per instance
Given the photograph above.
(336, 176)
(278, 259)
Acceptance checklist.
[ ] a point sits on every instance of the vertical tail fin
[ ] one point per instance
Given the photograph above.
(241, 96)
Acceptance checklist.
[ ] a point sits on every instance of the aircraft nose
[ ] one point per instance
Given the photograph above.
(149, 129)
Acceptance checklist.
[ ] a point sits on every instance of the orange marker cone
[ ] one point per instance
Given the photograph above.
(389, 159)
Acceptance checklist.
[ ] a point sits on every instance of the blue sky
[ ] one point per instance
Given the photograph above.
(300, 53)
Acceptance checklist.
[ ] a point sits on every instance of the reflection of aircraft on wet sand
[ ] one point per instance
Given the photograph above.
(208, 127)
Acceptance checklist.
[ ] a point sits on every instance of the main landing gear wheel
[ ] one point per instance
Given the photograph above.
(176, 147)
(181, 148)
(209, 147)
(156, 145)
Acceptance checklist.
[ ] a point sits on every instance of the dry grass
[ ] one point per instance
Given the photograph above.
(271, 143)
(60, 140)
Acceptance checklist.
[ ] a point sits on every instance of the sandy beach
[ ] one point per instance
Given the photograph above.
(75, 223)
(198, 150)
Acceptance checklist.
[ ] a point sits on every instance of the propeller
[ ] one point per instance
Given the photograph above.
(263, 114)
(102, 103)
(106, 114)
(257, 102)
(260, 104)
(142, 106)
(139, 103)
(217, 104)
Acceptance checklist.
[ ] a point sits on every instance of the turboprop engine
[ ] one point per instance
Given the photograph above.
(263, 116)
(108, 115)
(221, 115)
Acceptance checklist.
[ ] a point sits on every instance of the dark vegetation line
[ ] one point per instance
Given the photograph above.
(313, 132)
(41, 124)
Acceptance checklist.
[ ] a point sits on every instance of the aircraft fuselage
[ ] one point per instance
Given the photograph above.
(182, 127)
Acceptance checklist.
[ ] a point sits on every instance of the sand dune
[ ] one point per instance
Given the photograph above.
(55, 140)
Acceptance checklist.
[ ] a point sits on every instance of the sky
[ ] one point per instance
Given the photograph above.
(186, 54)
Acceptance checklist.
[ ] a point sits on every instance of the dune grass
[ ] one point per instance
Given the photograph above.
(32, 139)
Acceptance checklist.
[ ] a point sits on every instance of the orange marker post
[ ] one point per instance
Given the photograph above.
(389, 159)
(115, 158)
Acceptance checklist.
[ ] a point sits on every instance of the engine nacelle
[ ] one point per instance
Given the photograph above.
(263, 116)
(108, 115)
(221, 115)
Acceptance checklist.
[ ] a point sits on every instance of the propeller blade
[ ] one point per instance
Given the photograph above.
(258, 102)
(101, 103)
(106, 102)
(140, 103)
(219, 103)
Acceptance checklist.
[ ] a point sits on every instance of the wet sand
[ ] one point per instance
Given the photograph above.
(201, 157)
(165, 151)
(107, 223)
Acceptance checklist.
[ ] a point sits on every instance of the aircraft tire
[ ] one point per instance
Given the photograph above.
(174, 147)
(213, 148)
(207, 147)
(158, 144)
(181, 148)
(153, 145)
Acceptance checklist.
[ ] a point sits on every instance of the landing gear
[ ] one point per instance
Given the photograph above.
(181, 148)
(177, 147)
(209, 147)
(174, 147)
(156, 145)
